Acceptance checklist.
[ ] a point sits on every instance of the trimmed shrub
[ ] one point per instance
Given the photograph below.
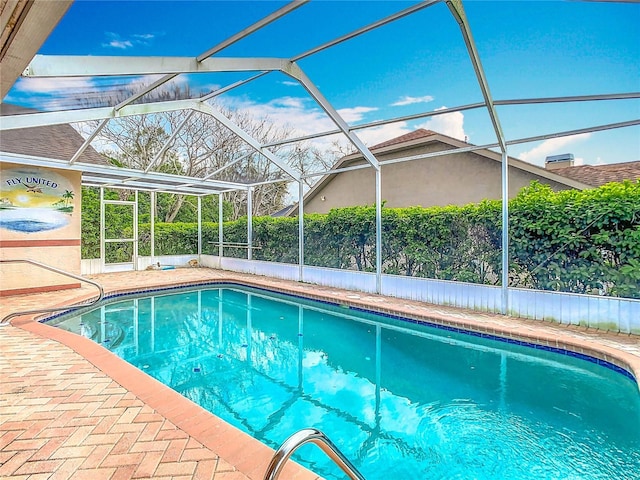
(571, 241)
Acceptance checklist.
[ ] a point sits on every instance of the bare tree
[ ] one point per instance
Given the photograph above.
(203, 146)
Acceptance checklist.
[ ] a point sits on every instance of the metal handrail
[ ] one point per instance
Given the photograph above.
(318, 438)
(5, 320)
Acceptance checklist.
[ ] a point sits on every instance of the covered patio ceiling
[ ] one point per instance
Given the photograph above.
(43, 17)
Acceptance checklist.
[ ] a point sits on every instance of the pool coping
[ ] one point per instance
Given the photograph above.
(248, 455)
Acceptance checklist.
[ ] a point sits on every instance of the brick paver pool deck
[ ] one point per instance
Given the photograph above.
(71, 409)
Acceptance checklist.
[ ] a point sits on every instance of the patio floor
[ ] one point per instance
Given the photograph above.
(71, 409)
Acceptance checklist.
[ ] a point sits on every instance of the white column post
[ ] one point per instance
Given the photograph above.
(249, 223)
(300, 231)
(102, 247)
(136, 236)
(378, 230)
(199, 228)
(152, 227)
(220, 227)
(505, 233)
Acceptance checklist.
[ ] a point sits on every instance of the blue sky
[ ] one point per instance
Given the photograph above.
(416, 64)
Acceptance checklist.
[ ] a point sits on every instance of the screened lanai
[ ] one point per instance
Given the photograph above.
(255, 60)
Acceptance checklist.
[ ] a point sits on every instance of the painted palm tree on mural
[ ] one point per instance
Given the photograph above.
(67, 196)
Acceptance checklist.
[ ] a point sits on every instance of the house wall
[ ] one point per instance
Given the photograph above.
(456, 179)
(39, 220)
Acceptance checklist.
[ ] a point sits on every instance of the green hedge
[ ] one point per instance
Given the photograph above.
(577, 241)
(574, 241)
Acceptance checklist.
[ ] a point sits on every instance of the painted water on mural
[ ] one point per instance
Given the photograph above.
(29, 220)
(34, 200)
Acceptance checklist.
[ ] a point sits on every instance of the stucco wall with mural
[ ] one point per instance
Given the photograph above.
(39, 220)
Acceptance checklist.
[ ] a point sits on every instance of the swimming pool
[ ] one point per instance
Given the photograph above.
(400, 399)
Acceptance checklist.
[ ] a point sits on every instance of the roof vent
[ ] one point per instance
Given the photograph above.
(559, 161)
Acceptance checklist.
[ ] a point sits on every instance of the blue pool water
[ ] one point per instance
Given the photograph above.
(403, 401)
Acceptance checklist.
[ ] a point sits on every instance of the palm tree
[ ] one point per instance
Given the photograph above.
(67, 195)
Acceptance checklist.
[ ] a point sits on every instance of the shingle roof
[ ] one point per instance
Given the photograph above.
(407, 137)
(283, 212)
(597, 175)
(53, 141)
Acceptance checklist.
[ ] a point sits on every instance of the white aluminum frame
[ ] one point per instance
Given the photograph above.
(104, 240)
(170, 67)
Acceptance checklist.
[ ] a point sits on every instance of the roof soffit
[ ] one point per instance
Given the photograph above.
(25, 27)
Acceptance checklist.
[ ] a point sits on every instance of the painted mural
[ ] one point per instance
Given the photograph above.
(35, 200)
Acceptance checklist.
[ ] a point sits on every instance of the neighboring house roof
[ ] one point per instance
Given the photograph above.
(422, 137)
(283, 212)
(407, 137)
(597, 175)
(53, 141)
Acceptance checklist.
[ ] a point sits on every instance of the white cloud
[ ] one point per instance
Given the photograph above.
(289, 83)
(553, 146)
(144, 36)
(299, 114)
(121, 44)
(382, 133)
(355, 114)
(114, 40)
(407, 100)
(51, 85)
(451, 124)
(304, 117)
(288, 102)
(290, 112)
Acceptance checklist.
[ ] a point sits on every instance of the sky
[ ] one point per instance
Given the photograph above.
(416, 64)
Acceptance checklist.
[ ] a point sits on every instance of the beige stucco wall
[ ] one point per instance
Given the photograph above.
(456, 179)
(24, 278)
(38, 223)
